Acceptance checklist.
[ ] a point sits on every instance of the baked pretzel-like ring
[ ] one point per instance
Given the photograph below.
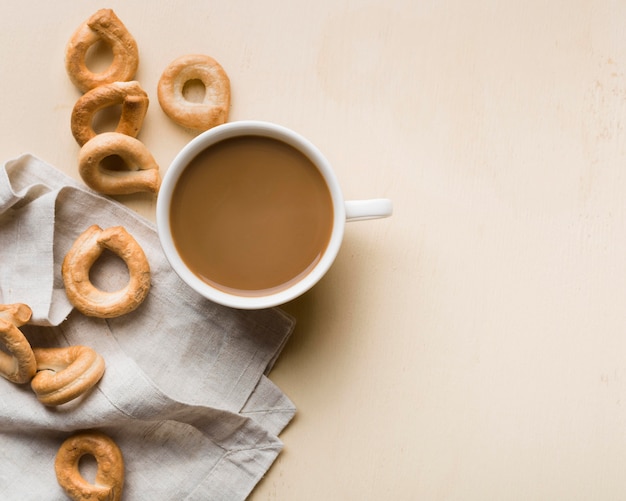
(64, 374)
(109, 479)
(132, 98)
(214, 107)
(142, 174)
(85, 251)
(103, 26)
(17, 364)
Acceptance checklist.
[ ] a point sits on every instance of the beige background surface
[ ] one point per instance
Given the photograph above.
(473, 346)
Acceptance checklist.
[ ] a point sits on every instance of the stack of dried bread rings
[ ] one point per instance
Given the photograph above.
(116, 87)
(113, 87)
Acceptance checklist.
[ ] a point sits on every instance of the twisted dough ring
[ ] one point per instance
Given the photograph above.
(109, 477)
(142, 174)
(64, 374)
(104, 26)
(213, 110)
(18, 365)
(132, 98)
(87, 248)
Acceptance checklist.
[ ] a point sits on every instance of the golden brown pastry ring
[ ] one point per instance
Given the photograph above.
(85, 251)
(109, 477)
(64, 374)
(18, 363)
(132, 98)
(103, 26)
(212, 110)
(142, 174)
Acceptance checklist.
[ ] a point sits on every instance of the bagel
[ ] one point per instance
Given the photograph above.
(103, 26)
(85, 251)
(109, 481)
(214, 107)
(132, 98)
(141, 174)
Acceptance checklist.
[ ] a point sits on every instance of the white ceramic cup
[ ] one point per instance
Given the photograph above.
(342, 210)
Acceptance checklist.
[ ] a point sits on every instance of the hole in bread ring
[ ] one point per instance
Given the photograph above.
(104, 26)
(194, 91)
(17, 363)
(141, 175)
(214, 106)
(134, 105)
(99, 56)
(87, 248)
(109, 479)
(64, 374)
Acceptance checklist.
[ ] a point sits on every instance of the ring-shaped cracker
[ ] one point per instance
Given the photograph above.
(17, 364)
(85, 251)
(141, 174)
(64, 374)
(103, 26)
(109, 480)
(134, 105)
(214, 107)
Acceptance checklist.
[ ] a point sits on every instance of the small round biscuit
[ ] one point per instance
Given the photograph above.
(109, 481)
(214, 107)
(64, 374)
(134, 106)
(103, 26)
(85, 251)
(140, 175)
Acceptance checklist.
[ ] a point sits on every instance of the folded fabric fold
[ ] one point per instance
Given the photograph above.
(185, 392)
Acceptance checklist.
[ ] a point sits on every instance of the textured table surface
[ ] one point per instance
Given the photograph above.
(473, 346)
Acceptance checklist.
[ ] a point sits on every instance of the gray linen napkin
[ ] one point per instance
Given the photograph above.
(185, 393)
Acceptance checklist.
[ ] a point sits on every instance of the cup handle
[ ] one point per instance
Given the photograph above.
(359, 210)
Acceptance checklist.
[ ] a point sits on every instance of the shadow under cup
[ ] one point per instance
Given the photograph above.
(250, 214)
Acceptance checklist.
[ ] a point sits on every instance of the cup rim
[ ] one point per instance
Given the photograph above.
(205, 140)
